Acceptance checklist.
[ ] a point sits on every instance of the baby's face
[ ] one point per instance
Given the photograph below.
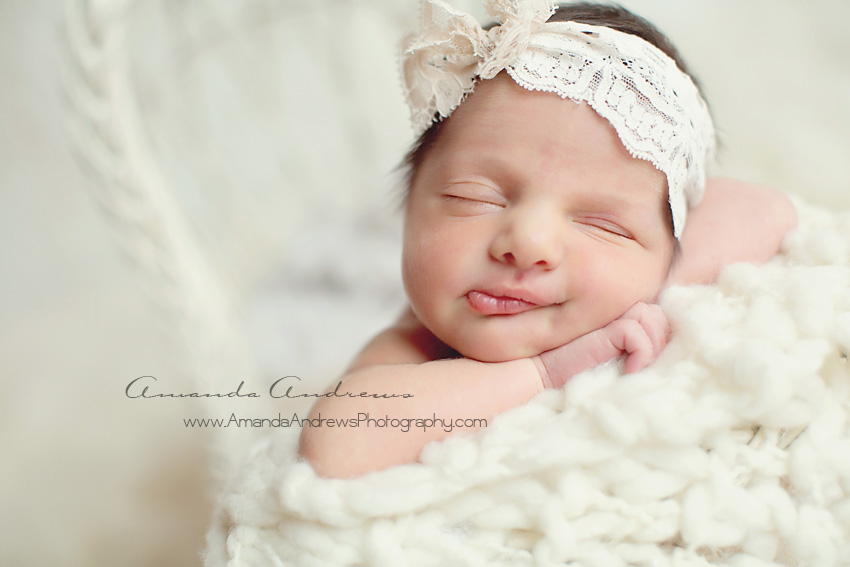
(529, 224)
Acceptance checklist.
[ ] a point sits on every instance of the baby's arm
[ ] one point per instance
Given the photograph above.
(734, 222)
(400, 361)
(641, 333)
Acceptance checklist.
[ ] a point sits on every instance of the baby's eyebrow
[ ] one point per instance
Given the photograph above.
(620, 198)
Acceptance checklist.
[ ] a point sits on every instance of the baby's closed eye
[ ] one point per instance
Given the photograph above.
(473, 196)
(604, 226)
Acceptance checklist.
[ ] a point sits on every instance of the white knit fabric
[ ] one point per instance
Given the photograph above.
(732, 449)
(655, 108)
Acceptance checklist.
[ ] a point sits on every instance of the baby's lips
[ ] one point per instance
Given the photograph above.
(488, 304)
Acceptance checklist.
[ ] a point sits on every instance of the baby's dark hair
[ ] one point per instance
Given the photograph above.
(608, 15)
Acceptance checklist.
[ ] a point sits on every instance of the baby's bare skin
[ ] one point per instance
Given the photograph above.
(534, 248)
(640, 334)
(734, 222)
(408, 358)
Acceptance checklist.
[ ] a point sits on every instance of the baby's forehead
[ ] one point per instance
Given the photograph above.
(506, 130)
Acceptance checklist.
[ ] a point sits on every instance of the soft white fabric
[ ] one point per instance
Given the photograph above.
(732, 449)
(655, 108)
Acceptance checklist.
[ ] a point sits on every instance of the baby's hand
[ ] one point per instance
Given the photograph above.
(640, 333)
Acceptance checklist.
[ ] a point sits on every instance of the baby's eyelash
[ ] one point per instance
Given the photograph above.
(608, 227)
(473, 194)
(451, 197)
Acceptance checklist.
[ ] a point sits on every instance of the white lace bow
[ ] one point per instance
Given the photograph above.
(655, 108)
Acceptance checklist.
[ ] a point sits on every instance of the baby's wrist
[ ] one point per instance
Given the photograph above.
(545, 378)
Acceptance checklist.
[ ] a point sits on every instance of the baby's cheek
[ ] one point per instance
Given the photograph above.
(609, 290)
(419, 265)
(424, 273)
(654, 276)
(415, 276)
(594, 276)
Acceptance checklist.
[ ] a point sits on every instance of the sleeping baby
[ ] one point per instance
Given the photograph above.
(552, 195)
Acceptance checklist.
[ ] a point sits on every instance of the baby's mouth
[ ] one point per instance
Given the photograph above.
(487, 304)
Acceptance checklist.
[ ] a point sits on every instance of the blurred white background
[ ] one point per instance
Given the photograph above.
(274, 127)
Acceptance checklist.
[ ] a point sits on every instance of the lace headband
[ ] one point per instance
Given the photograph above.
(655, 108)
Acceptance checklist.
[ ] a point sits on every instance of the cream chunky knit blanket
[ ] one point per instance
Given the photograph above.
(732, 449)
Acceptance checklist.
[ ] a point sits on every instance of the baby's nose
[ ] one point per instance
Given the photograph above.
(529, 238)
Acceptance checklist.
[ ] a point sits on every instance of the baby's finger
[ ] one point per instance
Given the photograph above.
(630, 337)
(657, 327)
(654, 322)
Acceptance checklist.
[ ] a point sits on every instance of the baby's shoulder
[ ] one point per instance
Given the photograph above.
(406, 341)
